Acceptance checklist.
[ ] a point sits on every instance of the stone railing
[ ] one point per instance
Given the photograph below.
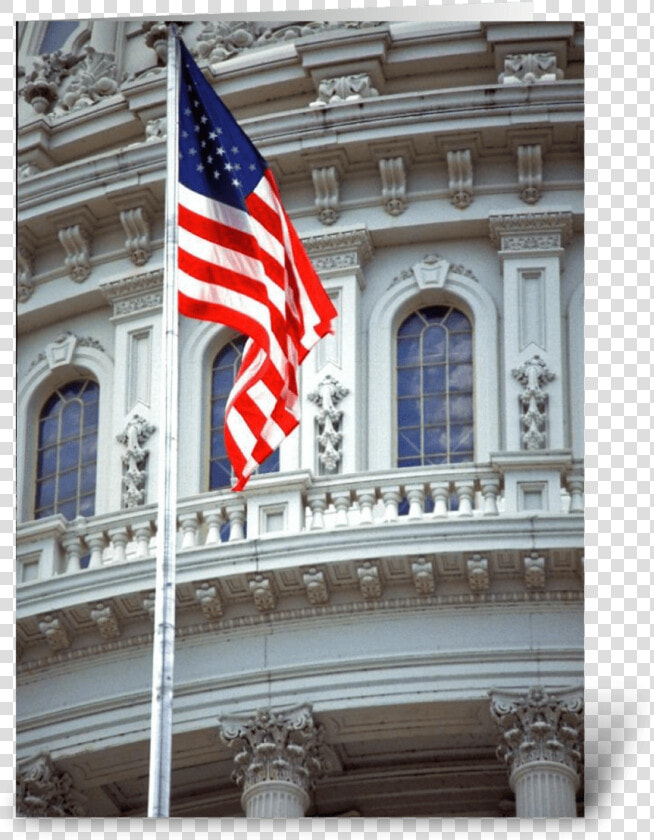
(284, 504)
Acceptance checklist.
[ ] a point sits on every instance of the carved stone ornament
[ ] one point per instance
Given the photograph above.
(534, 571)
(326, 185)
(316, 586)
(137, 431)
(530, 173)
(286, 745)
(25, 264)
(533, 374)
(328, 393)
(531, 231)
(422, 571)
(135, 294)
(206, 595)
(76, 243)
(93, 78)
(27, 170)
(156, 38)
(44, 791)
(432, 272)
(339, 249)
(105, 618)
(222, 40)
(369, 580)
(263, 593)
(477, 572)
(393, 179)
(342, 89)
(459, 170)
(136, 224)
(61, 350)
(155, 130)
(540, 726)
(529, 68)
(42, 84)
(54, 632)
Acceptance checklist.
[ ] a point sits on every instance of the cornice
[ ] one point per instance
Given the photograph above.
(339, 249)
(531, 231)
(136, 293)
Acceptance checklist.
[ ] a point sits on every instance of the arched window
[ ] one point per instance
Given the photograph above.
(225, 368)
(67, 451)
(434, 388)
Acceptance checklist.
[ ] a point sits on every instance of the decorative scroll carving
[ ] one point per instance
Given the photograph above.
(352, 88)
(206, 595)
(459, 170)
(316, 586)
(533, 374)
(432, 272)
(24, 284)
(43, 791)
(530, 173)
(136, 224)
(137, 431)
(155, 129)
(42, 84)
(54, 632)
(529, 68)
(393, 179)
(540, 726)
(92, 79)
(369, 580)
(477, 572)
(534, 571)
(326, 185)
(221, 40)
(328, 393)
(104, 616)
(136, 293)
(423, 576)
(286, 745)
(77, 245)
(263, 593)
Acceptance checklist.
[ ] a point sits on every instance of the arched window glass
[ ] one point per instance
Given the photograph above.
(56, 35)
(67, 451)
(225, 368)
(434, 388)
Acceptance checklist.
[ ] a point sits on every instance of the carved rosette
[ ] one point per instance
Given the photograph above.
(541, 726)
(43, 791)
(328, 393)
(533, 374)
(283, 746)
(137, 431)
(351, 88)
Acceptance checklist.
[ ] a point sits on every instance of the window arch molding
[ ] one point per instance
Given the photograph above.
(33, 391)
(403, 297)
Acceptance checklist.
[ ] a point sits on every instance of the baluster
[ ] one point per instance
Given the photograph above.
(490, 487)
(96, 543)
(391, 498)
(465, 490)
(236, 515)
(317, 502)
(341, 500)
(416, 495)
(142, 534)
(119, 538)
(366, 500)
(72, 545)
(214, 519)
(190, 523)
(440, 493)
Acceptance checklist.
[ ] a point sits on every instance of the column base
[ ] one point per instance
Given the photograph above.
(275, 799)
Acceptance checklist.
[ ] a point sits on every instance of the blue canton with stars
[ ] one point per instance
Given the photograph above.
(216, 157)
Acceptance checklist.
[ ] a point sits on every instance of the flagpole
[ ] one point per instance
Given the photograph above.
(164, 607)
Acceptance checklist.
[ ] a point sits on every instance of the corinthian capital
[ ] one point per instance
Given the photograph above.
(43, 791)
(282, 746)
(541, 726)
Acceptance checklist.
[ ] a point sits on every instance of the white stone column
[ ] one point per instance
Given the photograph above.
(279, 756)
(541, 743)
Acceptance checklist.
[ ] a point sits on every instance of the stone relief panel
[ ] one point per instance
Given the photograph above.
(533, 374)
(136, 432)
(327, 395)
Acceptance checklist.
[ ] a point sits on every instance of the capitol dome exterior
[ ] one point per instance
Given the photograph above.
(388, 620)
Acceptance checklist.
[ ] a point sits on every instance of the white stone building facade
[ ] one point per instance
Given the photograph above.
(390, 621)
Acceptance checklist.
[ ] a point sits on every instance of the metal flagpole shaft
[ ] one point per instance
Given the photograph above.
(164, 609)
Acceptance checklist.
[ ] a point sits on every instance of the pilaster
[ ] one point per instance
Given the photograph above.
(279, 756)
(531, 249)
(541, 743)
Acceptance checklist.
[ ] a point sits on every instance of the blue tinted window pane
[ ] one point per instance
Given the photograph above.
(87, 479)
(434, 344)
(271, 464)
(461, 378)
(47, 461)
(90, 416)
(89, 448)
(45, 493)
(48, 431)
(43, 512)
(68, 509)
(91, 392)
(412, 326)
(461, 407)
(408, 411)
(217, 413)
(56, 33)
(460, 347)
(222, 382)
(408, 351)
(72, 389)
(87, 506)
(218, 444)
(408, 382)
(69, 455)
(435, 379)
(436, 440)
(67, 487)
(52, 407)
(461, 438)
(220, 474)
(457, 321)
(434, 314)
(415, 461)
(435, 408)
(70, 420)
(408, 444)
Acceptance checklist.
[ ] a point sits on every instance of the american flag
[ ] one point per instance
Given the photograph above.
(242, 264)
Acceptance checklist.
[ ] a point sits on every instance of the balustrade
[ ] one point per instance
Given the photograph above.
(325, 503)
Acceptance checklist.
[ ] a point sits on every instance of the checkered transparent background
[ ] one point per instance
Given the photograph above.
(618, 409)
